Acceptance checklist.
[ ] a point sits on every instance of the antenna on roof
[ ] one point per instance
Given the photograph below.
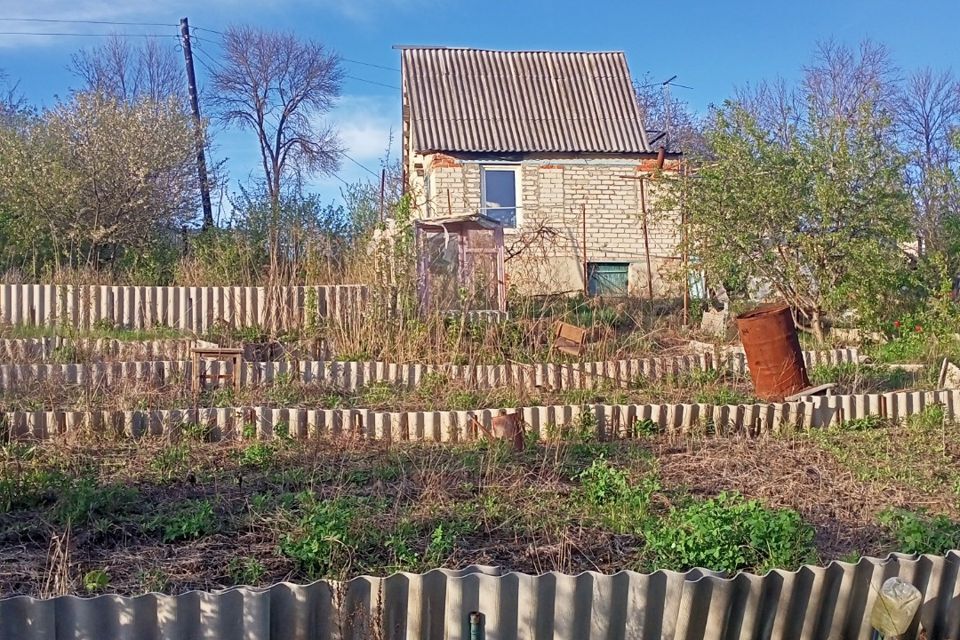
(665, 88)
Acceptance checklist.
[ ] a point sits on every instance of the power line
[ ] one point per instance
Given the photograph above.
(365, 168)
(86, 35)
(381, 84)
(128, 24)
(219, 33)
(370, 64)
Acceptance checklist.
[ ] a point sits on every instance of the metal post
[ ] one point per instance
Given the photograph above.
(476, 626)
(583, 213)
(646, 239)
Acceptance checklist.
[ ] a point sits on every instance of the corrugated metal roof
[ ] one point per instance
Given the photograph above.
(473, 100)
(808, 604)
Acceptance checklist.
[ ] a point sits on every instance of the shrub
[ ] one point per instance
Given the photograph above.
(322, 543)
(622, 505)
(917, 532)
(728, 533)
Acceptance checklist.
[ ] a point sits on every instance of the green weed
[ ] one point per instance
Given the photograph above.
(728, 533)
(917, 532)
(187, 521)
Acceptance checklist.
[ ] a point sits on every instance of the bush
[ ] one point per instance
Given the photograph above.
(323, 543)
(622, 505)
(728, 533)
(917, 532)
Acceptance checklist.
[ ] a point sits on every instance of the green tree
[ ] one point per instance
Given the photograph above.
(96, 176)
(813, 208)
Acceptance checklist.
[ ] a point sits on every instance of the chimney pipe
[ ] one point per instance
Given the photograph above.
(661, 157)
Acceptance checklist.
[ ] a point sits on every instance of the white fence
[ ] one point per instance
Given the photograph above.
(353, 375)
(811, 603)
(606, 420)
(68, 351)
(191, 309)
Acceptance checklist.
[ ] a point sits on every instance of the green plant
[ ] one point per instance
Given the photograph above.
(623, 504)
(400, 543)
(728, 533)
(196, 432)
(930, 419)
(918, 532)
(84, 500)
(284, 392)
(323, 543)
(96, 580)
(171, 461)
(153, 581)
(865, 423)
(257, 454)
(186, 521)
(246, 571)
(645, 428)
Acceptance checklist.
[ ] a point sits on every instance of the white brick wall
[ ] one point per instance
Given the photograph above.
(550, 240)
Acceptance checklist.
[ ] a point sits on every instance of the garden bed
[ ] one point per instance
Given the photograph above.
(157, 515)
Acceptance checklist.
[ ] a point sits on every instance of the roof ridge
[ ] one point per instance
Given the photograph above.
(411, 47)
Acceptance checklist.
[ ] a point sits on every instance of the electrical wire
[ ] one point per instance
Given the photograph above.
(369, 64)
(86, 35)
(362, 166)
(52, 20)
(380, 84)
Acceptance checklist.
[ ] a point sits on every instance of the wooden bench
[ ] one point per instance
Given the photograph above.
(569, 339)
(202, 355)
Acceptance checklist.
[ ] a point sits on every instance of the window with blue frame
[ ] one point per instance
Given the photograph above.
(608, 278)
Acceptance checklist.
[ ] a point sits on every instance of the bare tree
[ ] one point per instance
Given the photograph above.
(842, 82)
(278, 86)
(775, 105)
(928, 115)
(661, 111)
(127, 72)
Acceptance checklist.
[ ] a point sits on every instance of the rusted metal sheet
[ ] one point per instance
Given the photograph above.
(473, 100)
(774, 357)
(811, 603)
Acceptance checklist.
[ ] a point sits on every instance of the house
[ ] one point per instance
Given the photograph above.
(552, 146)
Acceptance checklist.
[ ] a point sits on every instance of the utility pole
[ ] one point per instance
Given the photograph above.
(197, 125)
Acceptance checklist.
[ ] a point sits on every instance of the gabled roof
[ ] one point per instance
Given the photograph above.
(474, 100)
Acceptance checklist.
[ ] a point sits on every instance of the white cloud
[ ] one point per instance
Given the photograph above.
(365, 125)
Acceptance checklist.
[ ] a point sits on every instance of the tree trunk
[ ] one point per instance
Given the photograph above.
(817, 323)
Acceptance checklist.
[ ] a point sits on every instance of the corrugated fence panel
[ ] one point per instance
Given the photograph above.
(195, 309)
(441, 426)
(808, 604)
(352, 375)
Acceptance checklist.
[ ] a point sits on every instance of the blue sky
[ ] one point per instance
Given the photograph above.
(711, 46)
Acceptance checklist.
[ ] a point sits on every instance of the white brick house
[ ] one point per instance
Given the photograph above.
(552, 145)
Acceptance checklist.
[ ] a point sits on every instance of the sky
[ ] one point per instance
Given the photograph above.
(710, 45)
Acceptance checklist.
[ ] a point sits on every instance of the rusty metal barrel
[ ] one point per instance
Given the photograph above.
(773, 351)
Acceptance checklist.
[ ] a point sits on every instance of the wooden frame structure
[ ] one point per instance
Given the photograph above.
(203, 355)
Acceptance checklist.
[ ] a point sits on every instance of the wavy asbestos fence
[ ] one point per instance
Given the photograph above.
(194, 309)
(30, 350)
(811, 603)
(608, 421)
(353, 375)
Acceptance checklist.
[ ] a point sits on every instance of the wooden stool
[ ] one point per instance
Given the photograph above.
(201, 355)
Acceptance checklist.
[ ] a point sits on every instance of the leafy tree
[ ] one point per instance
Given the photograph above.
(96, 176)
(807, 197)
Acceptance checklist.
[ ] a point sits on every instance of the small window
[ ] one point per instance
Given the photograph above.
(501, 195)
(608, 278)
